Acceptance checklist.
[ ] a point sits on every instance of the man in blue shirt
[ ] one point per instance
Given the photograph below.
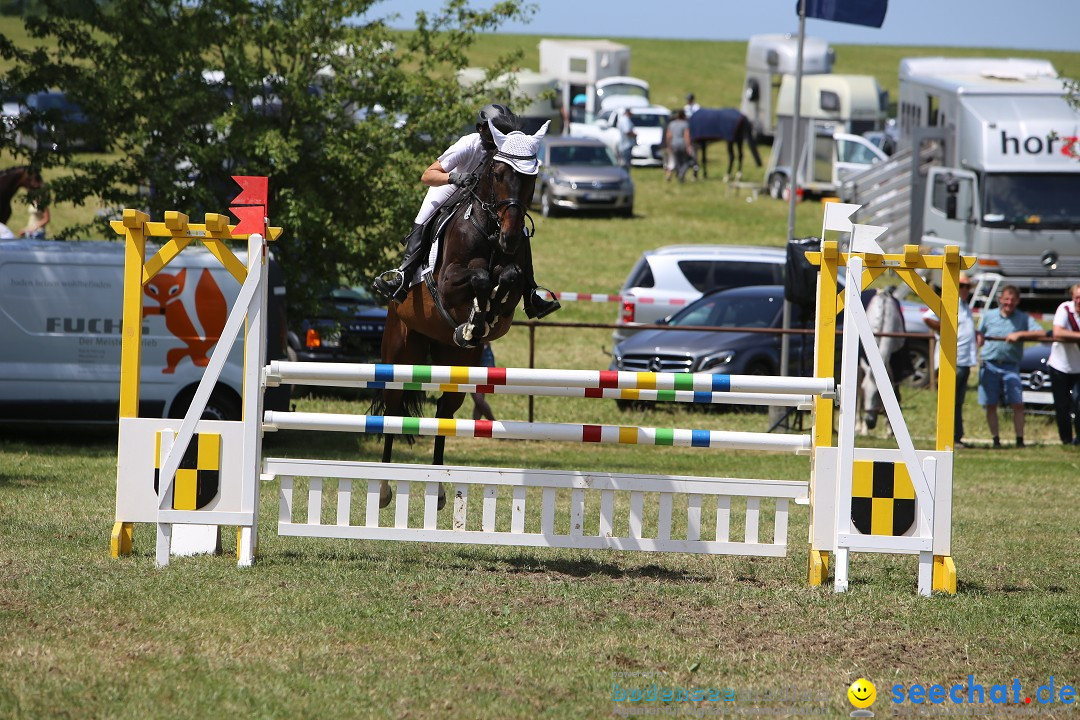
(999, 376)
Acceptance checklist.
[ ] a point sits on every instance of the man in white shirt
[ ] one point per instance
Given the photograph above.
(627, 137)
(1064, 364)
(966, 357)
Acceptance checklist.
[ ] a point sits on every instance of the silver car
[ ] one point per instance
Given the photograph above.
(581, 174)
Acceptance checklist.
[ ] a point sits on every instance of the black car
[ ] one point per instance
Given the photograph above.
(737, 353)
(349, 328)
(57, 122)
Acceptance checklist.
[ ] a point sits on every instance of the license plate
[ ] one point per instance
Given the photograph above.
(1052, 283)
(598, 197)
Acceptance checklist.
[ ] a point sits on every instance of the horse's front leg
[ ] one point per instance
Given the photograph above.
(465, 283)
(506, 293)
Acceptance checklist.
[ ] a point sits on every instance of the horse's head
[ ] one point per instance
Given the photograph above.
(30, 179)
(512, 178)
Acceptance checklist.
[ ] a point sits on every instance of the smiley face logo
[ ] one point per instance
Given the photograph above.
(862, 693)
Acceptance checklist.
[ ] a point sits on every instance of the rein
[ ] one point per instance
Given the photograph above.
(494, 207)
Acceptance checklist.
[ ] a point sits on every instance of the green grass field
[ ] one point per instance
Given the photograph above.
(368, 629)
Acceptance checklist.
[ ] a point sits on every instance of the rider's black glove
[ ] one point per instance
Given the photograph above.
(462, 179)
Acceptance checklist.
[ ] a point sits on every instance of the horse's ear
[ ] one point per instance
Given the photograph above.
(542, 131)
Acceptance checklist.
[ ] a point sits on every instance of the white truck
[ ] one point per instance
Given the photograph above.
(988, 159)
(593, 75)
(835, 111)
(650, 121)
(769, 58)
(60, 327)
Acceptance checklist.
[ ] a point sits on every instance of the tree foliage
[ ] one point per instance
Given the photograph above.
(341, 112)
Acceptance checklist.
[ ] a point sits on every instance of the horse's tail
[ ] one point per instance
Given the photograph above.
(412, 405)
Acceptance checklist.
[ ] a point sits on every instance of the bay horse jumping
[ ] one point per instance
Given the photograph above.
(728, 124)
(470, 296)
(20, 176)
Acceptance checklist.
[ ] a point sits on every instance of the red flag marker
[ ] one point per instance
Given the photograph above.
(252, 219)
(253, 189)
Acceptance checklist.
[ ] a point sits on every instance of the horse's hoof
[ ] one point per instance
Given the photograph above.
(461, 340)
(385, 494)
(442, 497)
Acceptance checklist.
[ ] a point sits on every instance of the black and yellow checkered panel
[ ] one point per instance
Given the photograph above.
(882, 498)
(199, 474)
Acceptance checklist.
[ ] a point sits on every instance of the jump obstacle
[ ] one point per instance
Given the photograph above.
(860, 499)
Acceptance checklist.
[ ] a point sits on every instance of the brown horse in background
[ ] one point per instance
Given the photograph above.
(469, 299)
(11, 180)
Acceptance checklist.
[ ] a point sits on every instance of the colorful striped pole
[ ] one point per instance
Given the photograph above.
(296, 372)
(562, 432)
(685, 396)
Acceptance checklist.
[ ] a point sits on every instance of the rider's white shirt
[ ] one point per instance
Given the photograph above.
(463, 156)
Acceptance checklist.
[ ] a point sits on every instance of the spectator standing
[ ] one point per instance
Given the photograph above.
(481, 408)
(966, 356)
(627, 137)
(1064, 364)
(690, 108)
(999, 376)
(677, 136)
(39, 217)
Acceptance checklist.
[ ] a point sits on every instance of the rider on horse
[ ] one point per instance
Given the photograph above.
(456, 168)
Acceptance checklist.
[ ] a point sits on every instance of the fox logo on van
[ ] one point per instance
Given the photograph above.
(210, 307)
(1035, 145)
(82, 326)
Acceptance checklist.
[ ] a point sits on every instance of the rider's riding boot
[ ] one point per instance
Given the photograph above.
(536, 305)
(394, 284)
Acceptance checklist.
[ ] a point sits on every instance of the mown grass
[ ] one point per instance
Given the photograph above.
(369, 629)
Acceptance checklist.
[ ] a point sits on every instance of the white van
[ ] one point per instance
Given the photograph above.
(60, 330)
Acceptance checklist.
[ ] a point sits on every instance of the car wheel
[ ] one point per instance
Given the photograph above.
(777, 185)
(920, 366)
(547, 207)
(220, 406)
(627, 212)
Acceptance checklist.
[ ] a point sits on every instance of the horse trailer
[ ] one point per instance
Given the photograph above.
(834, 112)
(769, 58)
(590, 73)
(534, 97)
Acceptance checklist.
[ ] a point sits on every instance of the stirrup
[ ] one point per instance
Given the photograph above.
(537, 307)
(390, 287)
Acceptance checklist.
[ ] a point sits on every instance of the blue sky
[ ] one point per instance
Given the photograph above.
(1023, 24)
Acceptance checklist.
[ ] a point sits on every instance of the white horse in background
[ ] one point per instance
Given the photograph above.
(884, 315)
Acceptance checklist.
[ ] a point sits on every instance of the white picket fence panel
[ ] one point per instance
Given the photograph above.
(342, 491)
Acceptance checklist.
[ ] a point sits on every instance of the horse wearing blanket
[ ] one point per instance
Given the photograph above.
(727, 124)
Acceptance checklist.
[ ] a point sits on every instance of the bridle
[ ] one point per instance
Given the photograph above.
(494, 207)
